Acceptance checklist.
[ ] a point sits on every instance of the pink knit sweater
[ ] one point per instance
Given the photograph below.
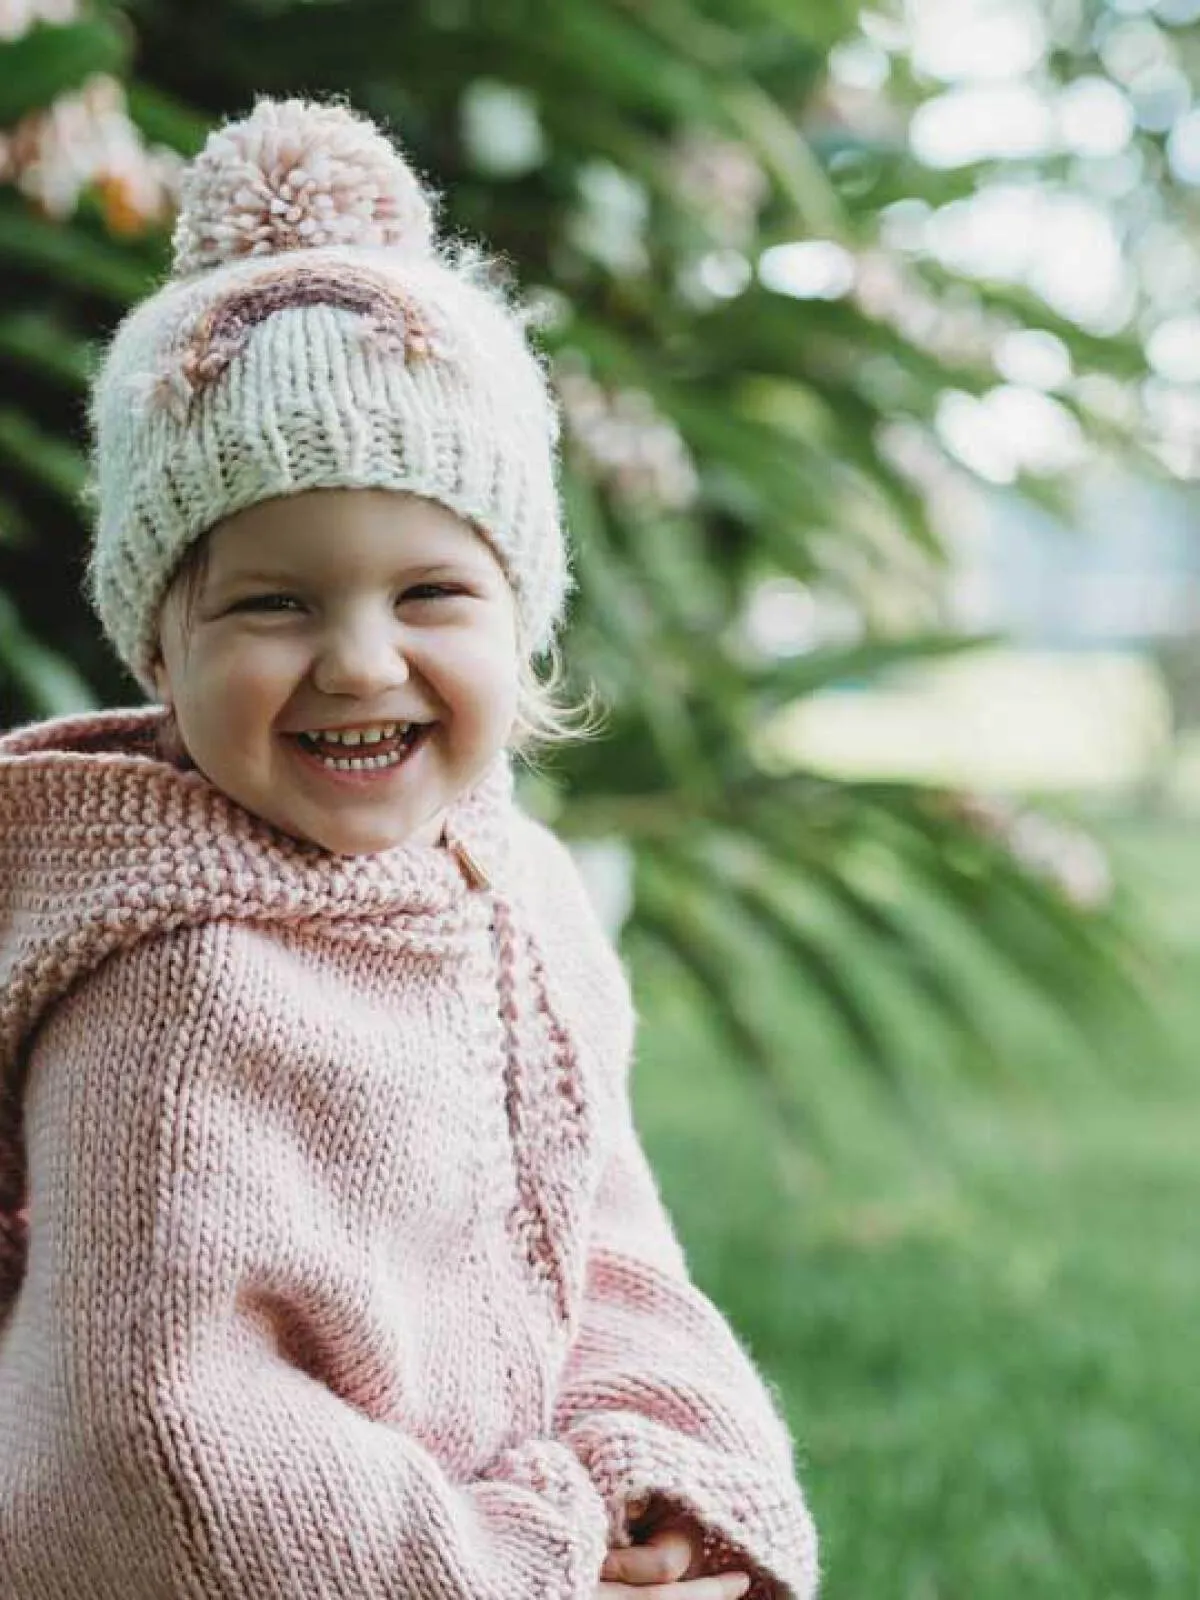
(331, 1267)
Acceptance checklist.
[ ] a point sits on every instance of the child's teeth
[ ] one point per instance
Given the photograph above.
(408, 732)
(354, 736)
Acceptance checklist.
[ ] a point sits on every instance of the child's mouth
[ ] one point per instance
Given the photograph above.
(364, 759)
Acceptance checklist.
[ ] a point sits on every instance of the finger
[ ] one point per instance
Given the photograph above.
(721, 1586)
(664, 1558)
(685, 1543)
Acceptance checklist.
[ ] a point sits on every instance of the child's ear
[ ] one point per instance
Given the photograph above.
(162, 682)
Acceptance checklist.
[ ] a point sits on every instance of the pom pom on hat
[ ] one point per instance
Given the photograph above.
(296, 175)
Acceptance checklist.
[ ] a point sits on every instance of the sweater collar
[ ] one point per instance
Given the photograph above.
(95, 783)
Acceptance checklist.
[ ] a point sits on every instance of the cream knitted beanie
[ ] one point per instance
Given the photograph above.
(314, 334)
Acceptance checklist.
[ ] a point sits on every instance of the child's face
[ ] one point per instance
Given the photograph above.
(348, 609)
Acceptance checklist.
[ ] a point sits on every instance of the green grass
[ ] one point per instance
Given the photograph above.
(984, 1340)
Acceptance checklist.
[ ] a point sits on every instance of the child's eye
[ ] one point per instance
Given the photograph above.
(287, 602)
(266, 602)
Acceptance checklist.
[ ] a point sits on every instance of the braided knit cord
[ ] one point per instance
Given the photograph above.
(14, 1223)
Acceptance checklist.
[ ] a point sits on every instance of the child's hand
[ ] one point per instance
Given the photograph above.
(721, 1586)
(671, 1560)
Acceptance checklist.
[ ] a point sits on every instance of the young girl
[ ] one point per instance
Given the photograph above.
(331, 1266)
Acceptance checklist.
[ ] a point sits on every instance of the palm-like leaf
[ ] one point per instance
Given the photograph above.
(779, 403)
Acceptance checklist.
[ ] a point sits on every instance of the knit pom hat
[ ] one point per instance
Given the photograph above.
(313, 334)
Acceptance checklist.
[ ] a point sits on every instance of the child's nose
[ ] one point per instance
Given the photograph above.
(362, 660)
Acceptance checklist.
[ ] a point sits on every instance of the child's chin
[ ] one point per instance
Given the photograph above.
(367, 840)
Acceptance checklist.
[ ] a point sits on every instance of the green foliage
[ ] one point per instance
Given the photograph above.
(976, 1341)
(45, 681)
(776, 406)
(50, 60)
(75, 261)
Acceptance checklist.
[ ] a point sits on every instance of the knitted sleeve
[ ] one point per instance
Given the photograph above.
(658, 1397)
(185, 1462)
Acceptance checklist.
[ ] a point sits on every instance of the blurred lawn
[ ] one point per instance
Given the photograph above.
(986, 1343)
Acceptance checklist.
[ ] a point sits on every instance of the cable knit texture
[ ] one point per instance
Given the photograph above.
(332, 1266)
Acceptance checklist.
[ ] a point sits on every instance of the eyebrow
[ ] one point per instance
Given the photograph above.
(447, 568)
